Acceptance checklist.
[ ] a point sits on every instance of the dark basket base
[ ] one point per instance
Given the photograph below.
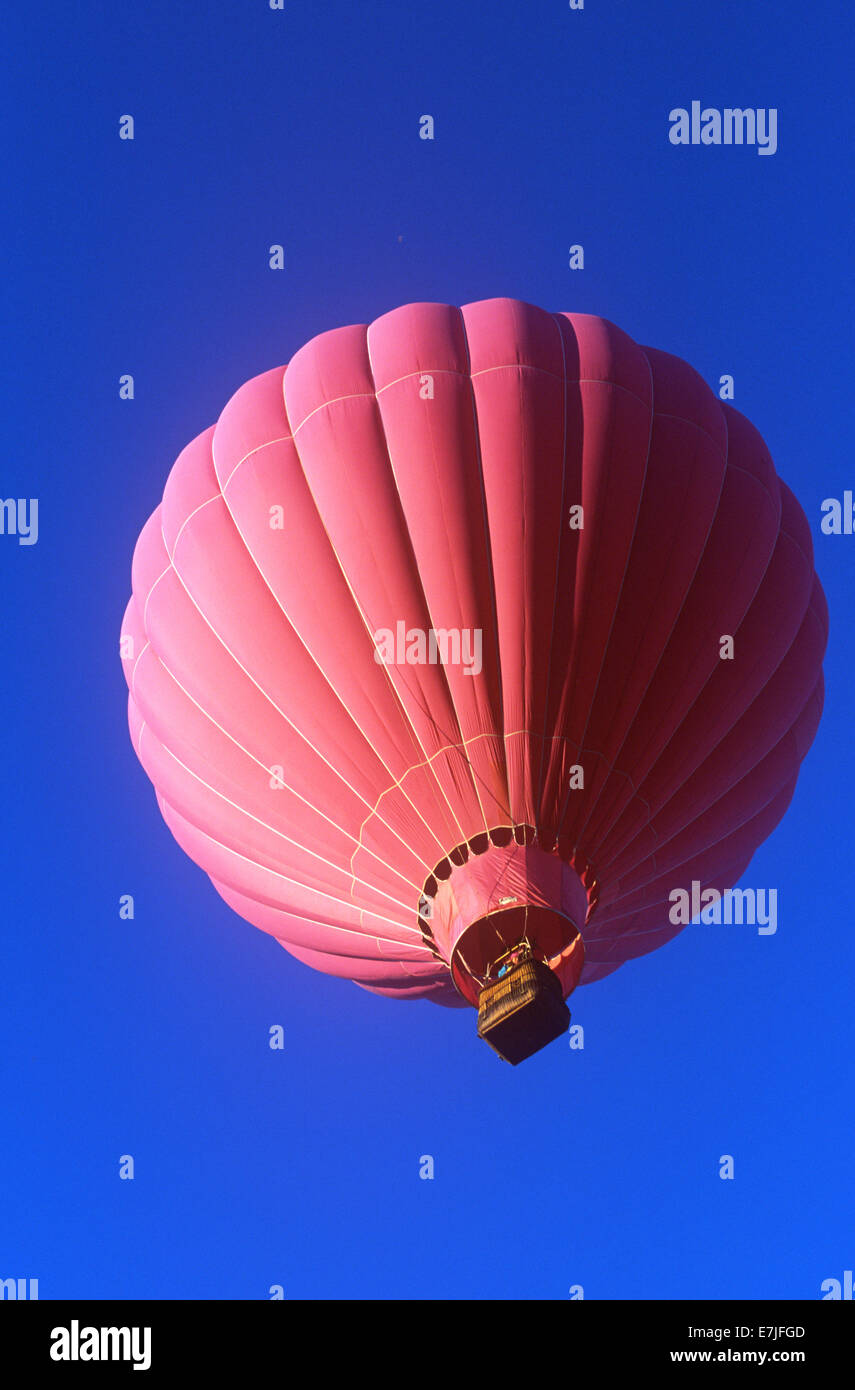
(522, 1012)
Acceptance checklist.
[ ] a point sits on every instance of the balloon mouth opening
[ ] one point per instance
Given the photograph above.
(497, 892)
(500, 837)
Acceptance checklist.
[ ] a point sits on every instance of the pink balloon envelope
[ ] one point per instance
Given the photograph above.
(428, 647)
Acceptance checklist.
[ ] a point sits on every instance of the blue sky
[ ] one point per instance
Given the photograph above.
(301, 1167)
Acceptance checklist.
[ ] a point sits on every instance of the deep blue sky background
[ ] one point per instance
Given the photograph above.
(300, 1167)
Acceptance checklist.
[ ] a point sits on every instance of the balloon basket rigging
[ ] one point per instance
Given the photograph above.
(523, 1010)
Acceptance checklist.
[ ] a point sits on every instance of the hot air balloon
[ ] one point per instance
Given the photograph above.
(462, 641)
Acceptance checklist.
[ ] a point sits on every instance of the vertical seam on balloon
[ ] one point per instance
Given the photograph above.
(491, 569)
(417, 573)
(561, 521)
(451, 743)
(528, 597)
(701, 551)
(581, 742)
(611, 765)
(582, 748)
(473, 775)
(685, 600)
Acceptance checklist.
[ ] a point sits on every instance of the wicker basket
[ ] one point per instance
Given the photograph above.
(522, 1012)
